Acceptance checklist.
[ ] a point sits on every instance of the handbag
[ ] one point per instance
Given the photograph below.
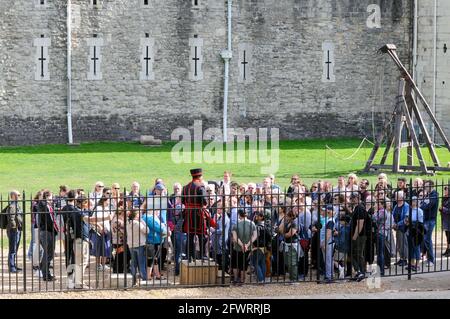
(304, 243)
(120, 249)
(281, 246)
(304, 240)
(150, 250)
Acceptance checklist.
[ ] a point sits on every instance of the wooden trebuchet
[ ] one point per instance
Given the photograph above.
(406, 107)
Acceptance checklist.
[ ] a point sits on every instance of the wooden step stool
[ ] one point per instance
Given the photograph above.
(200, 272)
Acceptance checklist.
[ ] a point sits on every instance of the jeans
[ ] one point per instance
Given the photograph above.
(32, 242)
(291, 261)
(191, 246)
(180, 248)
(68, 250)
(47, 240)
(14, 240)
(358, 258)
(81, 260)
(402, 244)
(259, 262)
(413, 250)
(327, 256)
(36, 248)
(428, 239)
(380, 252)
(138, 259)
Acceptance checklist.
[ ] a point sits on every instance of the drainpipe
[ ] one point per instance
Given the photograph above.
(69, 72)
(226, 56)
(434, 65)
(415, 35)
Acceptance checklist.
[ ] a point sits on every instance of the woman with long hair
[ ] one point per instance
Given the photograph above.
(121, 255)
(35, 249)
(101, 231)
(445, 217)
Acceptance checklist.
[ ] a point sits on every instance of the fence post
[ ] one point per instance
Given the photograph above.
(224, 244)
(410, 229)
(318, 260)
(24, 241)
(124, 242)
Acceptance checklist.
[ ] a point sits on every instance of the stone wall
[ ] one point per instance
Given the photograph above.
(284, 87)
(425, 60)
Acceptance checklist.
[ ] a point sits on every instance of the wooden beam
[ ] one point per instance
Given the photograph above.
(409, 152)
(398, 128)
(410, 126)
(372, 155)
(413, 168)
(386, 151)
(409, 78)
(424, 130)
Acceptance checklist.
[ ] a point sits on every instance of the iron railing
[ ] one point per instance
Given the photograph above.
(270, 236)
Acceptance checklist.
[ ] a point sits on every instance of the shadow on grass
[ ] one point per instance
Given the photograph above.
(101, 147)
(135, 147)
(319, 144)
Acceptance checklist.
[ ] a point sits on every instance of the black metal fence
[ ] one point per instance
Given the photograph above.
(122, 240)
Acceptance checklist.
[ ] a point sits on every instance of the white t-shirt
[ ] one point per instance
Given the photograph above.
(338, 190)
(101, 213)
(353, 188)
(137, 232)
(94, 198)
(308, 201)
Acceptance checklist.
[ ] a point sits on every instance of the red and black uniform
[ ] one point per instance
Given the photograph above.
(196, 216)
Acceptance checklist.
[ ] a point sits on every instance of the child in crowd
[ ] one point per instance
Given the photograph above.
(342, 242)
(137, 232)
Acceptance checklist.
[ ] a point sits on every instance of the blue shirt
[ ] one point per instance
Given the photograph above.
(430, 206)
(137, 200)
(157, 230)
(417, 215)
(327, 223)
(399, 214)
(219, 235)
(234, 216)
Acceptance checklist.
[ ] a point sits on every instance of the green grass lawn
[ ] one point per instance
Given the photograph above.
(48, 166)
(34, 167)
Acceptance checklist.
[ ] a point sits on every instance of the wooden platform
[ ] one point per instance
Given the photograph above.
(199, 272)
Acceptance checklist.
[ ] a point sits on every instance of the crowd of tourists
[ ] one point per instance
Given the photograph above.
(255, 229)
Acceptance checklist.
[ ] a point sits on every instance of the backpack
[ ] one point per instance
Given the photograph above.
(369, 225)
(264, 238)
(343, 238)
(4, 218)
(304, 238)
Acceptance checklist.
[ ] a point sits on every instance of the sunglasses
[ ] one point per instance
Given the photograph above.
(116, 188)
(100, 186)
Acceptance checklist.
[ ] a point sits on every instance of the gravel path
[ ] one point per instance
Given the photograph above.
(251, 291)
(436, 285)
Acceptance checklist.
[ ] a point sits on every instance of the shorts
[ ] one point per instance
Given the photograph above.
(152, 254)
(339, 256)
(239, 260)
(101, 244)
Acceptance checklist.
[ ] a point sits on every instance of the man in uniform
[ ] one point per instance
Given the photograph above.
(197, 219)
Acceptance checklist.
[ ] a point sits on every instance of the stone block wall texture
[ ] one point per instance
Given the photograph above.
(287, 91)
(425, 61)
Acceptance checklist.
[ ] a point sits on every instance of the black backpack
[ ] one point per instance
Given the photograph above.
(264, 238)
(370, 226)
(4, 218)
